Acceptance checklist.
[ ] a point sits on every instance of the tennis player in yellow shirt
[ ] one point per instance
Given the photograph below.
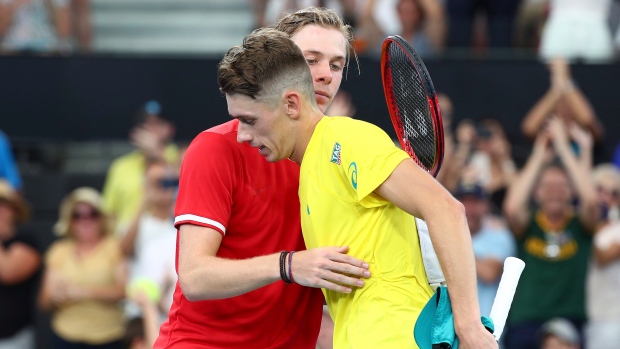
(356, 189)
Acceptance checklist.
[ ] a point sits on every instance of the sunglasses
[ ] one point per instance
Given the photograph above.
(167, 183)
(85, 215)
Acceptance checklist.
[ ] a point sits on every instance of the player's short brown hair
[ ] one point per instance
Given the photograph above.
(292, 23)
(266, 64)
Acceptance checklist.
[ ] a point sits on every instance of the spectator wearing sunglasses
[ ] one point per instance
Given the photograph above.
(85, 276)
(603, 298)
(153, 223)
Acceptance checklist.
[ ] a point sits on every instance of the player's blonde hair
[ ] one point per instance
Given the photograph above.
(266, 64)
(292, 23)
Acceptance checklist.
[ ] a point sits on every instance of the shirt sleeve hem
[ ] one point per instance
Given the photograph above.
(200, 221)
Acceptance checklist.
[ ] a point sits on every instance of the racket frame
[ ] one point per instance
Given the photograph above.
(431, 96)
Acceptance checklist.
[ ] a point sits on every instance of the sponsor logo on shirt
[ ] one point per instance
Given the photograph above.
(336, 154)
(353, 173)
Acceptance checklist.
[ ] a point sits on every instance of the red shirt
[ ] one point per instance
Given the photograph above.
(230, 187)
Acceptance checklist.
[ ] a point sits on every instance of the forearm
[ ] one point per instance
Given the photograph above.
(150, 322)
(519, 191)
(18, 264)
(6, 15)
(128, 242)
(535, 118)
(605, 256)
(62, 21)
(582, 111)
(435, 23)
(107, 293)
(83, 23)
(579, 175)
(217, 278)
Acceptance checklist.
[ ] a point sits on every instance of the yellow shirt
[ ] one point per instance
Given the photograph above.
(123, 188)
(92, 322)
(345, 161)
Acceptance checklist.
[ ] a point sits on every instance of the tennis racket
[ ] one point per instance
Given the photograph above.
(412, 103)
(505, 293)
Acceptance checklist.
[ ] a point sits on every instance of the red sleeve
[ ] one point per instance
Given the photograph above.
(208, 178)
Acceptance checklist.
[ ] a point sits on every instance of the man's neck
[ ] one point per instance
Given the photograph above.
(304, 133)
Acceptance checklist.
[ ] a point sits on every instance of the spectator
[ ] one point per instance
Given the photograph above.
(565, 100)
(492, 241)
(493, 161)
(123, 188)
(603, 298)
(554, 240)
(85, 276)
(500, 17)
(8, 168)
(560, 333)
(39, 26)
(577, 29)
(268, 12)
(483, 155)
(421, 23)
(19, 263)
(151, 235)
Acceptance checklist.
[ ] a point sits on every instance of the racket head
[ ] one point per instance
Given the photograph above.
(412, 103)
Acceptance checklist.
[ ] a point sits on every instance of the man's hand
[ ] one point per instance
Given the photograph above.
(148, 140)
(330, 268)
(476, 337)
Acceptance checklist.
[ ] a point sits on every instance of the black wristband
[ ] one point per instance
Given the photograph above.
(283, 274)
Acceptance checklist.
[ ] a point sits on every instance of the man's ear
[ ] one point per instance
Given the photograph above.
(292, 103)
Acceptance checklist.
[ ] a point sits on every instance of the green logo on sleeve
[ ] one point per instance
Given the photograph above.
(353, 174)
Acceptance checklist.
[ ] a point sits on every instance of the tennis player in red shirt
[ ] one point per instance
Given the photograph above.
(236, 212)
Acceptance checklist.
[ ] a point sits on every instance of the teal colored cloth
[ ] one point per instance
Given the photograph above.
(435, 325)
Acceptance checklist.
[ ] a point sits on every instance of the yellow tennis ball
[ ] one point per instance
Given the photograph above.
(146, 285)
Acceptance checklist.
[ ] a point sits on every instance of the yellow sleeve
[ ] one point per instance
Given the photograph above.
(369, 156)
(109, 193)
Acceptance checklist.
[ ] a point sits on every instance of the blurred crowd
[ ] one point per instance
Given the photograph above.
(108, 278)
(584, 30)
(587, 30)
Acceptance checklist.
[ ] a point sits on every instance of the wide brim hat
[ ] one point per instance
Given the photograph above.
(15, 200)
(85, 195)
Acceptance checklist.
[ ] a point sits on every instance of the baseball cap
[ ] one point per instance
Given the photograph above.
(561, 328)
(471, 189)
(435, 325)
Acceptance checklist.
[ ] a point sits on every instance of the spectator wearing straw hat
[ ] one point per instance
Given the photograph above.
(19, 263)
(85, 276)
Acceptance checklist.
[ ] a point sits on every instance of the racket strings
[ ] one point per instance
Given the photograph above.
(410, 101)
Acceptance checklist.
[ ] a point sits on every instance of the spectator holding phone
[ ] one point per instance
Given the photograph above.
(154, 216)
